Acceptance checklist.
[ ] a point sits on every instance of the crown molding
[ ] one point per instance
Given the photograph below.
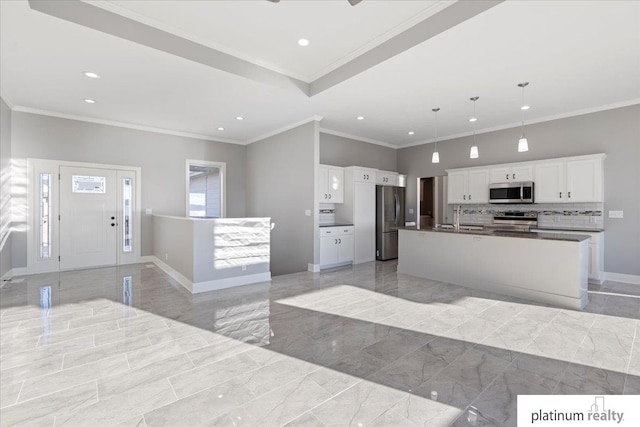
(314, 118)
(550, 118)
(7, 101)
(357, 138)
(123, 125)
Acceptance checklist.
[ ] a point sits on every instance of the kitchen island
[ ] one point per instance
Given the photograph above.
(550, 268)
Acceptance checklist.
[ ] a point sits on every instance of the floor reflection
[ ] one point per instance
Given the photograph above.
(354, 346)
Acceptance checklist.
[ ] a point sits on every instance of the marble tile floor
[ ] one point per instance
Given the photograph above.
(357, 346)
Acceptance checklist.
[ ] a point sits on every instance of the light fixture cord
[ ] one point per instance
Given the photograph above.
(522, 112)
(436, 143)
(474, 122)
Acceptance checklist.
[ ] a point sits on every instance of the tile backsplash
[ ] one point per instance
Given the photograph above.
(552, 215)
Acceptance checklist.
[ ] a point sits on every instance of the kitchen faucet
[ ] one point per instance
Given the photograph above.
(456, 225)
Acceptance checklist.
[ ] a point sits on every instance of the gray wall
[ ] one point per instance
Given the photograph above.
(614, 132)
(5, 188)
(173, 243)
(161, 157)
(280, 185)
(339, 151)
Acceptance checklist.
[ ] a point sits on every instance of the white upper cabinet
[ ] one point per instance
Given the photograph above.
(386, 178)
(457, 187)
(566, 180)
(584, 180)
(468, 186)
(549, 182)
(479, 186)
(364, 175)
(570, 180)
(511, 173)
(330, 184)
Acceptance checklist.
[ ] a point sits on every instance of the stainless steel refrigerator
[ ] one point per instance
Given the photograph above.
(389, 216)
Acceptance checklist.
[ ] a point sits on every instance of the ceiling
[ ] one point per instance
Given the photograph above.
(191, 67)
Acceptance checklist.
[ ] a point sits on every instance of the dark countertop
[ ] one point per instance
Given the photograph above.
(513, 234)
(584, 230)
(338, 224)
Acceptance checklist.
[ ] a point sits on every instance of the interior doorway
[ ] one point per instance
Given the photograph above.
(427, 202)
(432, 201)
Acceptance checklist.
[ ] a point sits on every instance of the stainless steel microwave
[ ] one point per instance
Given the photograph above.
(511, 192)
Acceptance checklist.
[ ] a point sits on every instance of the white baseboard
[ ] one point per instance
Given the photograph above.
(186, 283)
(214, 285)
(313, 267)
(328, 266)
(146, 258)
(619, 277)
(7, 276)
(21, 271)
(211, 285)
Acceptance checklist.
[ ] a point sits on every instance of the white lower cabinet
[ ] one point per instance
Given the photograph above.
(336, 246)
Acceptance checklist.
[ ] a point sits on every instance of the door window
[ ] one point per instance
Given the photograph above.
(127, 214)
(44, 241)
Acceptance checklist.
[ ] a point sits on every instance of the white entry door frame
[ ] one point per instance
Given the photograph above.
(45, 243)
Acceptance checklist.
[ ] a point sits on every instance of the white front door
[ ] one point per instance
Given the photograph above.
(88, 217)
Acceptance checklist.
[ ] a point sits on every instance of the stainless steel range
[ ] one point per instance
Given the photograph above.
(514, 221)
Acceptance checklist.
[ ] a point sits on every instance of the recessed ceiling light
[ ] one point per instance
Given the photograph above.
(91, 75)
(473, 119)
(525, 107)
(303, 42)
(220, 128)
(239, 118)
(360, 118)
(90, 101)
(411, 132)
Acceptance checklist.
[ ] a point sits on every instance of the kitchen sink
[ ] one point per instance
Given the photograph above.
(464, 230)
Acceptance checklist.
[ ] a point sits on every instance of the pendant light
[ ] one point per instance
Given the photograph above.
(473, 153)
(523, 145)
(435, 158)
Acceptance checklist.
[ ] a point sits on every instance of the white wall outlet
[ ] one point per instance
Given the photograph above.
(307, 212)
(148, 211)
(410, 210)
(616, 214)
(166, 257)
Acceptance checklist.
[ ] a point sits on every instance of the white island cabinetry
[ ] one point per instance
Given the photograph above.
(550, 270)
(596, 252)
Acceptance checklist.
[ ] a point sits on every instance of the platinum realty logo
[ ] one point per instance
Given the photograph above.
(578, 410)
